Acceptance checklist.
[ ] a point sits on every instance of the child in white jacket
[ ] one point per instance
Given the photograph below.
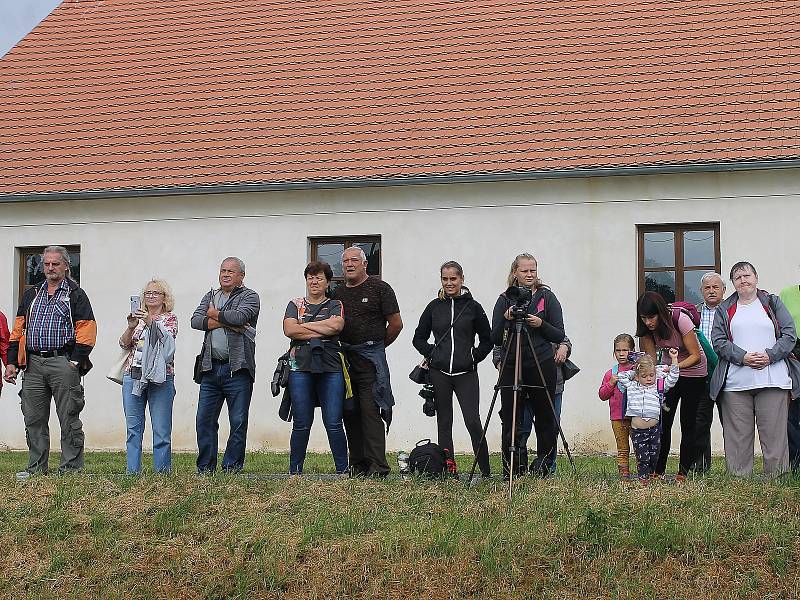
(646, 385)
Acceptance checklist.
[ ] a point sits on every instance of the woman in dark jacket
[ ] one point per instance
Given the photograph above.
(455, 318)
(543, 326)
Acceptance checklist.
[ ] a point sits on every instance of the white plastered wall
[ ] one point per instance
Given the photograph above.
(583, 231)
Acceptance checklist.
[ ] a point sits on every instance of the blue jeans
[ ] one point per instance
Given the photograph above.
(306, 390)
(527, 426)
(217, 387)
(159, 397)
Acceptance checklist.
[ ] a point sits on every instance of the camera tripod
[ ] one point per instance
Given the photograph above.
(515, 341)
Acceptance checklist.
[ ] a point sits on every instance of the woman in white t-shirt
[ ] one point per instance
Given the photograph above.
(754, 334)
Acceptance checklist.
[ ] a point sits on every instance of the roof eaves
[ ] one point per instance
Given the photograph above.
(476, 177)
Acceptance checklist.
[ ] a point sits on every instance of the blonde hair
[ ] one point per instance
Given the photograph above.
(169, 299)
(515, 264)
(644, 365)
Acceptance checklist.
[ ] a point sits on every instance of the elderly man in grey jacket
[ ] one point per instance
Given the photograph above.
(228, 316)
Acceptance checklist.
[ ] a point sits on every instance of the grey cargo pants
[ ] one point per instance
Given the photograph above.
(55, 378)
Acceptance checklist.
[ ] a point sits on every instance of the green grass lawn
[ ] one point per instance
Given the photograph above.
(106, 535)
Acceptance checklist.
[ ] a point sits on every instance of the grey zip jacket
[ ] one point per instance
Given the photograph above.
(729, 352)
(241, 309)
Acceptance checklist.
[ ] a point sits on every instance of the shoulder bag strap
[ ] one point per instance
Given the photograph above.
(444, 335)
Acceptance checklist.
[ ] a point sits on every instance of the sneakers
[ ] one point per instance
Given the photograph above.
(624, 472)
(679, 479)
(23, 476)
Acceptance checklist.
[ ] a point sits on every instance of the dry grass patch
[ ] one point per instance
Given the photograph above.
(237, 537)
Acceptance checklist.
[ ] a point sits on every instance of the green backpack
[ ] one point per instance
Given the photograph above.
(708, 349)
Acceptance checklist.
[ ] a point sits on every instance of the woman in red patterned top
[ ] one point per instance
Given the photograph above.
(149, 375)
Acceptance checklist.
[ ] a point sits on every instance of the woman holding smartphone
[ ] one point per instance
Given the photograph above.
(149, 373)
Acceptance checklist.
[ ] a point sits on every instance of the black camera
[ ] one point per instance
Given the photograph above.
(521, 298)
(429, 406)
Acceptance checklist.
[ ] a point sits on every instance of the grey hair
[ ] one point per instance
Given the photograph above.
(360, 251)
(709, 275)
(239, 262)
(58, 250)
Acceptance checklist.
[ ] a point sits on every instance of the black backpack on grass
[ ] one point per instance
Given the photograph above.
(427, 460)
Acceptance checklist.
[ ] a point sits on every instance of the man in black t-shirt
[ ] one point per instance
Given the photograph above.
(372, 322)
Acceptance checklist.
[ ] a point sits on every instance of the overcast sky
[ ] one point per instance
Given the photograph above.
(18, 17)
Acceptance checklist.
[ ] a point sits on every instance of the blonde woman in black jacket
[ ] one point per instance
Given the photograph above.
(543, 326)
(455, 319)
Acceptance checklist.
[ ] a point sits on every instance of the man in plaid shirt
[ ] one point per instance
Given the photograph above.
(713, 289)
(54, 332)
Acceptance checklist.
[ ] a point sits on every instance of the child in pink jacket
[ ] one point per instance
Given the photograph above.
(613, 393)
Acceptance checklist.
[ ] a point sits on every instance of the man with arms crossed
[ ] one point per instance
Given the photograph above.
(228, 316)
(371, 322)
(56, 322)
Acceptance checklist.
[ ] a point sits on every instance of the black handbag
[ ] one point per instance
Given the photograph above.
(197, 375)
(421, 374)
(569, 369)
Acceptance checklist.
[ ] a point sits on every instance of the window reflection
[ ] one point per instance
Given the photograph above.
(698, 248)
(662, 282)
(692, 292)
(332, 254)
(659, 249)
(373, 252)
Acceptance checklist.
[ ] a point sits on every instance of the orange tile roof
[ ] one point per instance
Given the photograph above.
(136, 94)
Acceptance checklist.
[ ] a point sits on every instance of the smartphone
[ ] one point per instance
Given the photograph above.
(135, 304)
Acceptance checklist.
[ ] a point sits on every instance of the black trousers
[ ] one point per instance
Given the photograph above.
(705, 418)
(544, 422)
(691, 392)
(794, 435)
(366, 437)
(467, 391)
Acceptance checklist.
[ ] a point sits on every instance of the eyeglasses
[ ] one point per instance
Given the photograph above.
(316, 278)
(151, 294)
